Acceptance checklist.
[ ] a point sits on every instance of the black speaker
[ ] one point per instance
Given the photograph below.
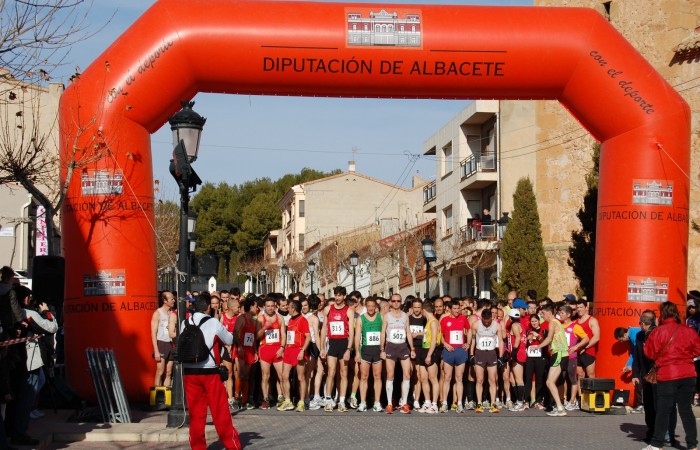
(48, 279)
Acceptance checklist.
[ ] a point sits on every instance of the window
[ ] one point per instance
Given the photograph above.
(448, 220)
(301, 208)
(447, 158)
(301, 242)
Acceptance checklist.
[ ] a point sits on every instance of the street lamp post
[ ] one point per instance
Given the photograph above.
(354, 261)
(284, 270)
(428, 256)
(186, 126)
(263, 275)
(312, 269)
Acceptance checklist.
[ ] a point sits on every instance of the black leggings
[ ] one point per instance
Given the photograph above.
(536, 366)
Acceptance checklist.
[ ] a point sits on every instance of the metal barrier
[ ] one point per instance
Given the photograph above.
(111, 398)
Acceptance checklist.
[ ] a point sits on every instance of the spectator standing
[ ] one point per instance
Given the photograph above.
(161, 340)
(203, 386)
(672, 346)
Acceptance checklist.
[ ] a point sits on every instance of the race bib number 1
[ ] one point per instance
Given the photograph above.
(248, 340)
(373, 338)
(337, 328)
(456, 337)
(272, 336)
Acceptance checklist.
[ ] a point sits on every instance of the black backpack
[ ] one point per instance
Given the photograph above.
(191, 347)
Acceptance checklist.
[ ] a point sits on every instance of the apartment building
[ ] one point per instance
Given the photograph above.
(28, 112)
(480, 155)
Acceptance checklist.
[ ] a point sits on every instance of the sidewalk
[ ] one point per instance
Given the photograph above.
(56, 427)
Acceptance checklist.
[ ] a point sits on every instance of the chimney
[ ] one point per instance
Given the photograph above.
(351, 166)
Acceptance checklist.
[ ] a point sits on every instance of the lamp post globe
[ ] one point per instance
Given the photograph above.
(263, 275)
(187, 126)
(354, 261)
(428, 255)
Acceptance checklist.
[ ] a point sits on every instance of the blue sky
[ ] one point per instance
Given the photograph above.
(238, 143)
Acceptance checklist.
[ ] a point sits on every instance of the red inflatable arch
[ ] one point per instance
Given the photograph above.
(181, 47)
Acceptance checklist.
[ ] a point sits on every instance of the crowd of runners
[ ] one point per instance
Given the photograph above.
(430, 356)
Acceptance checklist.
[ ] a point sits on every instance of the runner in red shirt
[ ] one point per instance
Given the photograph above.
(337, 336)
(247, 351)
(586, 357)
(456, 338)
(298, 341)
(272, 333)
(228, 320)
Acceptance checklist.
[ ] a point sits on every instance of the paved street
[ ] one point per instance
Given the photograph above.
(321, 430)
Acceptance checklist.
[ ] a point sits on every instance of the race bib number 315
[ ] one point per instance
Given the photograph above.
(337, 328)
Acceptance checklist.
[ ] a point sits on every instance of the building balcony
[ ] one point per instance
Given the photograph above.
(477, 172)
(429, 196)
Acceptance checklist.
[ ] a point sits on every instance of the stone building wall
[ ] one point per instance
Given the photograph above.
(655, 28)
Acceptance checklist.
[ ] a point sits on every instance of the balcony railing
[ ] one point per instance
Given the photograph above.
(471, 165)
(480, 232)
(429, 192)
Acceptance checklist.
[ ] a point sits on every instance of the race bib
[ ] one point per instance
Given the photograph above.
(272, 336)
(486, 343)
(248, 340)
(397, 336)
(373, 338)
(569, 338)
(290, 337)
(337, 328)
(416, 329)
(456, 337)
(534, 352)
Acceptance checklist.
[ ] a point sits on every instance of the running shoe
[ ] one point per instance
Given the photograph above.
(557, 413)
(539, 405)
(249, 406)
(280, 400)
(405, 409)
(519, 407)
(416, 405)
(469, 406)
(574, 406)
(362, 407)
(443, 407)
(286, 405)
(651, 447)
(353, 402)
(316, 404)
(638, 410)
(432, 410)
(377, 407)
(424, 408)
(509, 404)
(342, 407)
(265, 405)
(485, 404)
(389, 408)
(301, 407)
(498, 403)
(460, 408)
(454, 407)
(330, 404)
(479, 408)
(231, 406)
(494, 409)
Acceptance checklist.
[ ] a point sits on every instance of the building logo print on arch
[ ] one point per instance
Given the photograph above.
(399, 28)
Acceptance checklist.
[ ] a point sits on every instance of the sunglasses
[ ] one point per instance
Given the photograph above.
(396, 301)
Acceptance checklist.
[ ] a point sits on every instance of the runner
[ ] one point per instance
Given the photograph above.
(337, 335)
(309, 309)
(395, 347)
(416, 324)
(298, 341)
(576, 339)
(368, 330)
(426, 361)
(247, 352)
(556, 340)
(487, 355)
(272, 335)
(586, 356)
(228, 320)
(456, 338)
(517, 336)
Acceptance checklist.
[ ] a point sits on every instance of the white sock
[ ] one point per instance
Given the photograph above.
(342, 400)
(405, 388)
(389, 387)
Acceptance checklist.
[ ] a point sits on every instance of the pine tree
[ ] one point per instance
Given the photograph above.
(522, 252)
(582, 250)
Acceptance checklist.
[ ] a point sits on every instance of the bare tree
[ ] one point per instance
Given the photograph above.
(36, 36)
